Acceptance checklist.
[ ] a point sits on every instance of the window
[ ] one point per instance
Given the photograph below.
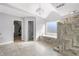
(51, 27)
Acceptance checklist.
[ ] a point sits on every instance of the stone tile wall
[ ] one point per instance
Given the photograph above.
(68, 33)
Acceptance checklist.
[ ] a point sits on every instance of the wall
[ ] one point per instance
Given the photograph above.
(39, 25)
(25, 24)
(53, 16)
(7, 27)
(68, 33)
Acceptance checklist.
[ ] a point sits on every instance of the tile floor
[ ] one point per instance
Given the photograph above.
(31, 48)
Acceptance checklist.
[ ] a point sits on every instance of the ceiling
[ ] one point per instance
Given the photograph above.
(67, 8)
(5, 8)
(32, 7)
(49, 9)
(24, 9)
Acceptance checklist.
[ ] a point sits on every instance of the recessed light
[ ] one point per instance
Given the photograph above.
(73, 12)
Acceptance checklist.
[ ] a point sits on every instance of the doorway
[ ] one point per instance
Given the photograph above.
(17, 31)
(30, 30)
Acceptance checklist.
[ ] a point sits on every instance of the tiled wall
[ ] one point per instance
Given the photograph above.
(68, 33)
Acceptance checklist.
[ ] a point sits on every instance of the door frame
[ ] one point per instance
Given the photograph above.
(21, 29)
(34, 28)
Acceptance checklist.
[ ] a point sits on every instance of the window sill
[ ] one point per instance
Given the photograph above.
(53, 35)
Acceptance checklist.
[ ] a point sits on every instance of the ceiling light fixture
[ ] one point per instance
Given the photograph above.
(60, 5)
(40, 10)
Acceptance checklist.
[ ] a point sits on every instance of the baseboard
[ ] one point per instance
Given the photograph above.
(4, 43)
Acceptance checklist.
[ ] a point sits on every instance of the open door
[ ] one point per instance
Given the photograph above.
(17, 31)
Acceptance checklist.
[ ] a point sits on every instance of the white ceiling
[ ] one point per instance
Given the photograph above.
(24, 9)
(4, 8)
(29, 9)
(67, 8)
(32, 7)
